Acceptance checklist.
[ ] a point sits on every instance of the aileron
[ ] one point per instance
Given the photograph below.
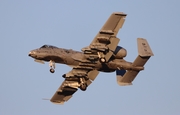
(114, 23)
(63, 94)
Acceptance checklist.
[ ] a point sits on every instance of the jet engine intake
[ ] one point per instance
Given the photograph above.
(120, 52)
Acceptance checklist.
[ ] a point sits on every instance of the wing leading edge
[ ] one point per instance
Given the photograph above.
(72, 83)
(105, 42)
(64, 93)
(112, 26)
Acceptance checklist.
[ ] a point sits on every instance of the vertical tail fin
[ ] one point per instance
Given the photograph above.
(145, 53)
(144, 49)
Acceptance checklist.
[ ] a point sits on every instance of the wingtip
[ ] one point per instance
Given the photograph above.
(120, 13)
(58, 102)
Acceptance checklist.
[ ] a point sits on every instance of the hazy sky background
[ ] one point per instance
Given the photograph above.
(29, 24)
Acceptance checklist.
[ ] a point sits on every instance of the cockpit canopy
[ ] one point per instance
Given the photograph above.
(48, 46)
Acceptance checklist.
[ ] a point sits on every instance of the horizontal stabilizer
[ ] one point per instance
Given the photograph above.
(130, 75)
(145, 53)
(144, 48)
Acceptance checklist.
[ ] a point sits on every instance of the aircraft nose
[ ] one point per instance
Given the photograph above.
(32, 53)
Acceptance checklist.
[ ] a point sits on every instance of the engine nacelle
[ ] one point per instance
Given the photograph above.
(120, 52)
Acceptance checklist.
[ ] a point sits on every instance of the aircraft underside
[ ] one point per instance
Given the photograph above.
(103, 54)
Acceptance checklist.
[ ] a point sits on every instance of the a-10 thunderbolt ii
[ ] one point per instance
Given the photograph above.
(102, 55)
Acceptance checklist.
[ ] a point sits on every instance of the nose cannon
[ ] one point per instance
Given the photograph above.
(32, 54)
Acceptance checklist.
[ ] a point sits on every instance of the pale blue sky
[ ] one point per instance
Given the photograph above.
(26, 25)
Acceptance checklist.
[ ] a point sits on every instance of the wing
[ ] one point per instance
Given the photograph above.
(72, 82)
(106, 41)
(64, 92)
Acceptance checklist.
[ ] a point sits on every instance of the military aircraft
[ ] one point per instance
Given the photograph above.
(102, 55)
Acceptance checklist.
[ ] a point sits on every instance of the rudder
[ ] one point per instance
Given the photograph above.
(144, 49)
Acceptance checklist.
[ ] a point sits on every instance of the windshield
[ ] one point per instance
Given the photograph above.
(48, 46)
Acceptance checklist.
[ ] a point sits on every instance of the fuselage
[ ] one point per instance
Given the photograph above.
(74, 58)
